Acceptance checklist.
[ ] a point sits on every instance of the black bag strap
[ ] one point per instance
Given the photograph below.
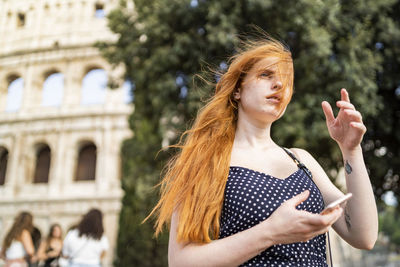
(298, 163)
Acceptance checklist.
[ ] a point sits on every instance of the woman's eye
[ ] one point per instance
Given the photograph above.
(266, 74)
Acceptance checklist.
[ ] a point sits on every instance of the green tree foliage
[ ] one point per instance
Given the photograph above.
(382, 142)
(165, 43)
(389, 226)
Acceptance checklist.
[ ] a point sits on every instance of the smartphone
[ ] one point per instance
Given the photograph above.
(337, 202)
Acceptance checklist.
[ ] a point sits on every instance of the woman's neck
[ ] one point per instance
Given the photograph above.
(253, 135)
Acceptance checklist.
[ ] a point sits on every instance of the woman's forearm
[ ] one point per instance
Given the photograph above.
(230, 251)
(360, 214)
(41, 253)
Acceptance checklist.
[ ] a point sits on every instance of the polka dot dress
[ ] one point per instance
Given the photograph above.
(252, 196)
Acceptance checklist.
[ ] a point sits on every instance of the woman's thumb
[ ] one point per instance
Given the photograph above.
(297, 199)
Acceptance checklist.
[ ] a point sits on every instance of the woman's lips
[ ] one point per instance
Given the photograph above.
(274, 99)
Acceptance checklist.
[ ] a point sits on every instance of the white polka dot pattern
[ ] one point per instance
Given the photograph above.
(252, 196)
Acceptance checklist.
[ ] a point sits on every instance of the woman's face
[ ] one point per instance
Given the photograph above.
(56, 232)
(260, 96)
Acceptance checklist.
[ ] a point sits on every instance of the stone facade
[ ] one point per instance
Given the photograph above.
(38, 38)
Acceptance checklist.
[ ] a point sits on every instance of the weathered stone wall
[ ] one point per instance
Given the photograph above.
(37, 38)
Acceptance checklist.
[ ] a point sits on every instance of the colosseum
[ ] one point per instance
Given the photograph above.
(61, 126)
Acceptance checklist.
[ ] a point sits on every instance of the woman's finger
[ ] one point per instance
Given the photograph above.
(344, 104)
(358, 126)
(353, 115)
(327, 219)
(298, 199)
(344, 95)
(326, 107)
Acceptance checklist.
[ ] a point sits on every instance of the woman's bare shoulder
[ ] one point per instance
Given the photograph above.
(306, 158)
(302, 154)
(25, 233)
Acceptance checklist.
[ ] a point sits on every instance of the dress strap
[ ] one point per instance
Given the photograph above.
(299, 164)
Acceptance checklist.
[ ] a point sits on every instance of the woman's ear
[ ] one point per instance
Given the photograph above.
(236, 94)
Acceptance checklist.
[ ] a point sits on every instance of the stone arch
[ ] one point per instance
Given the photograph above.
(12, 77)
(14, 92)
(7, 79)
(94, 85)
(21, 19)
(91, 66)
(49, 72)
(3, 164)
(86, 161)
(53, 88)
(99, 9)
(42, 163)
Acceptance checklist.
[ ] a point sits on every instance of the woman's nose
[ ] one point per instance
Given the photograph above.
(277, 85)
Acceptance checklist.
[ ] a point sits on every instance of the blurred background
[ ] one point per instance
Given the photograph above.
(92, 90)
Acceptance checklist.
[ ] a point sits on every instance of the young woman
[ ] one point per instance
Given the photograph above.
(50, 249)
(234, 197)
(18, 247)
(86, 245)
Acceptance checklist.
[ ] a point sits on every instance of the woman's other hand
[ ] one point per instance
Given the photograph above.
(347, 129)
(288, 224)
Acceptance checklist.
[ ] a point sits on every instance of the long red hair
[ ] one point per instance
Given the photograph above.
(195, 178)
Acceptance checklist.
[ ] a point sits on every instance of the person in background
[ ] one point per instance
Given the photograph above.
(86, 245)
(36, 239)
(18, 248)
(50, 249)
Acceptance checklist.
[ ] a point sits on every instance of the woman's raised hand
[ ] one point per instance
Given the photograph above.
(288, 224)
(347, 129)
